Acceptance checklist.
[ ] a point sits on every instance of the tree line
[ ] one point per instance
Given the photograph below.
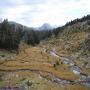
(9, 38)
(11, 35)
(72, 22)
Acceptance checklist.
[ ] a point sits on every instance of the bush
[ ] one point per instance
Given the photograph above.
(2, 55)
(57, 63)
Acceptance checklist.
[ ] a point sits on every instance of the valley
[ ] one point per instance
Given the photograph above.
(45, 60)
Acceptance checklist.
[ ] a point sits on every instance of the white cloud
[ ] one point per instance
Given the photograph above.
(58, 13)
(55, 12)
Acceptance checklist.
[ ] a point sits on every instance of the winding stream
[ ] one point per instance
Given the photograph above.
(83, 80)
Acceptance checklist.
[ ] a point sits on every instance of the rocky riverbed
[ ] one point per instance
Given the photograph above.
(83, 80)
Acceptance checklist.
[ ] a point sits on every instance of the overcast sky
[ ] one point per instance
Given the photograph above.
(36, 12)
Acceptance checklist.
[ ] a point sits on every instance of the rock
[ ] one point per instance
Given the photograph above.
(85, 80)
(76, 72)
(65, 62)
(53, 54)
(88, 66)
(22, 88)
(69, 62)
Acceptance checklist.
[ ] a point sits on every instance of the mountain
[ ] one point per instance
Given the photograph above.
(16, 25)
(46, 26)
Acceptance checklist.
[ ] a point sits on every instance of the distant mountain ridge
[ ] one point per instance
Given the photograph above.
(45, 26)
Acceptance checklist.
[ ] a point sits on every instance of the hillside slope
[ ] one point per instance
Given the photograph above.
(72, 42)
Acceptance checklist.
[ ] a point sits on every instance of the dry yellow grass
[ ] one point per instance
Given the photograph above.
(81, 64)
(38, 83)
(75, 87)
(33, 59)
